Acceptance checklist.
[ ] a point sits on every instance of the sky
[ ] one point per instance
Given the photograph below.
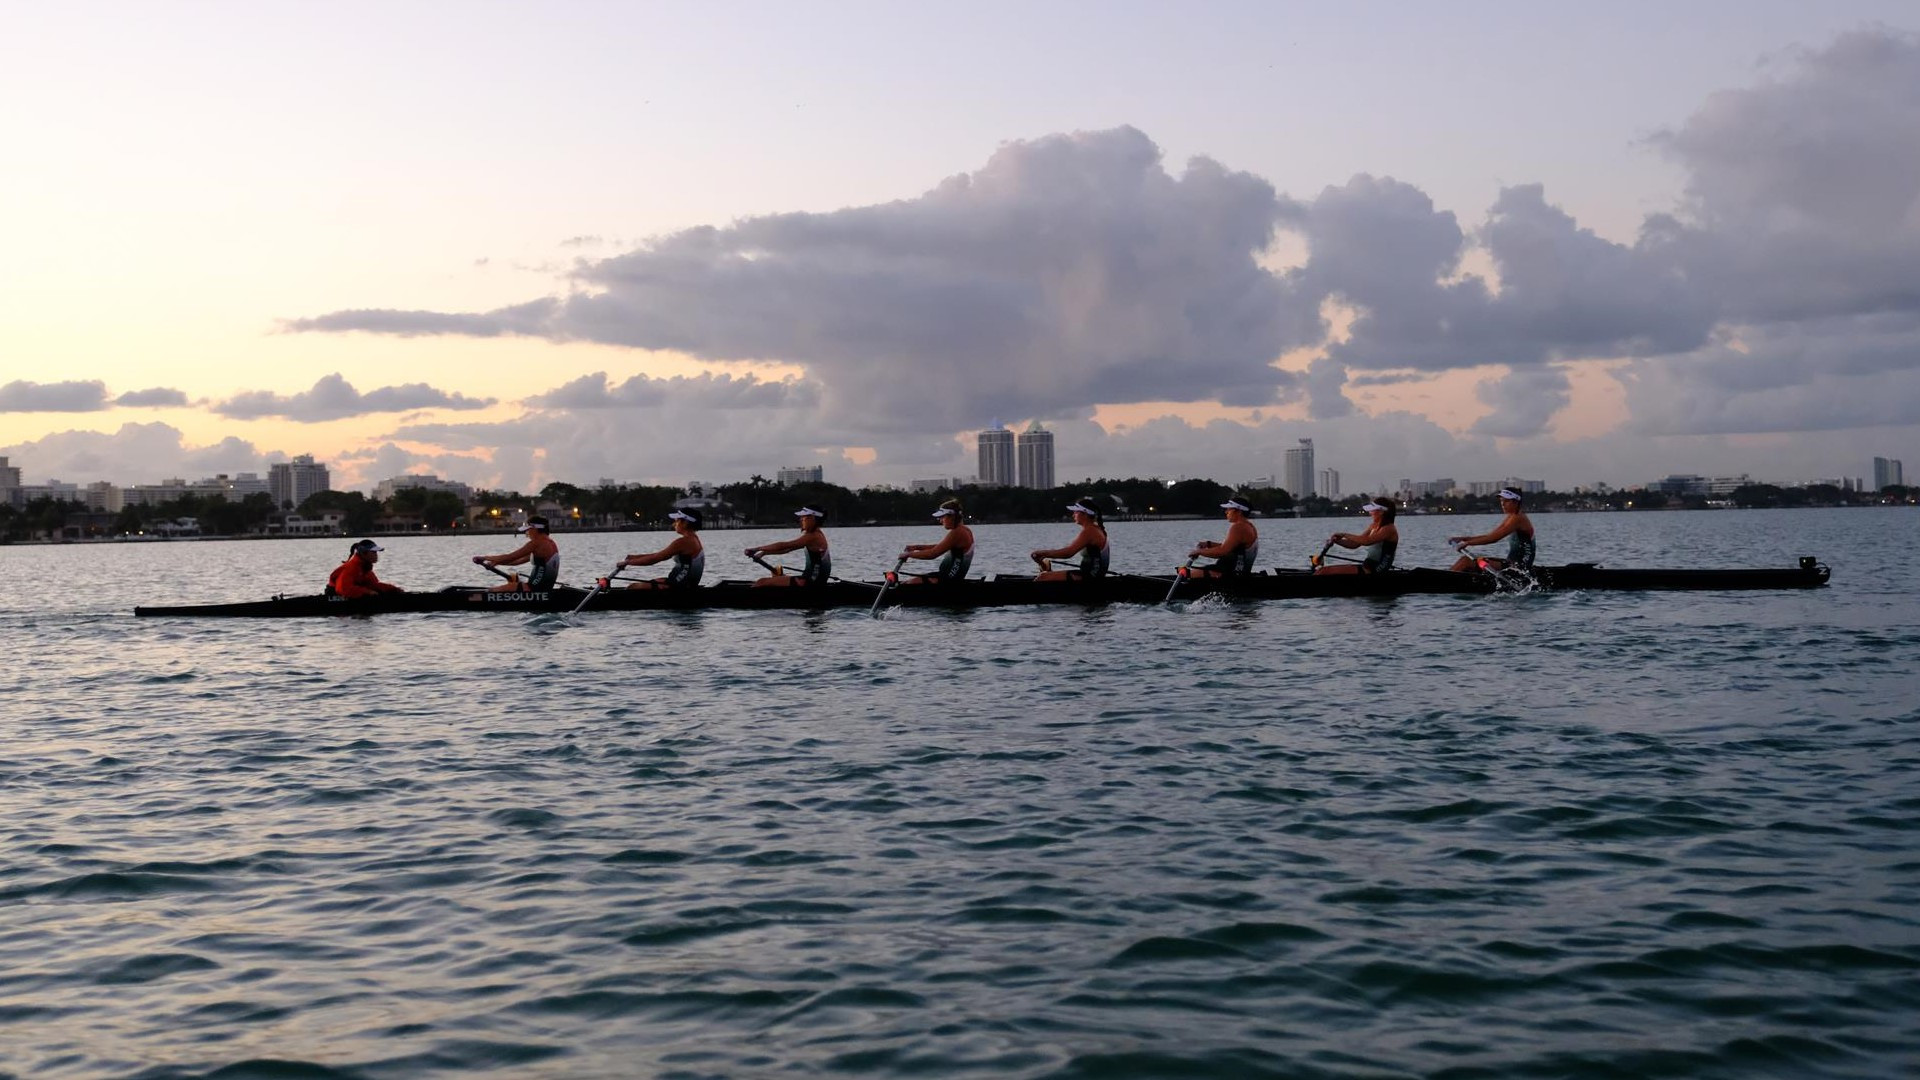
(509, 243)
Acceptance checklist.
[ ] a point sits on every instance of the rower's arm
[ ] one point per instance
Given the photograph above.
(1504, 528)
(511, 558)
(781, 547)
(934, 551)
(674, 547)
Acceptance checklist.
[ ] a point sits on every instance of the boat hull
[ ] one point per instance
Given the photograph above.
(1008, 591)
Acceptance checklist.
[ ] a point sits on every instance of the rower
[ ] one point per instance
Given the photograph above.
(955, 549)
(355, 577)
(1090, 543)
(813, 540)
(539, 550)
(1516, 527)
(1237, 553)
(1381, 540)
(689, 557)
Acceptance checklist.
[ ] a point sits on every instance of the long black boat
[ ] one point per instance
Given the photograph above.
(1005, 590)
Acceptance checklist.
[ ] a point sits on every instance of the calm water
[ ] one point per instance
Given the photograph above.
(1532, 836)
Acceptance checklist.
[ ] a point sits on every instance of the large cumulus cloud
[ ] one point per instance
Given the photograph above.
(1077, 270)
(1068, 270)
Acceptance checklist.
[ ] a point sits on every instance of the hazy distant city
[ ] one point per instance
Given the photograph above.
(297, 497)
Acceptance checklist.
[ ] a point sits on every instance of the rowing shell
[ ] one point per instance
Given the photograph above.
(1006, 590)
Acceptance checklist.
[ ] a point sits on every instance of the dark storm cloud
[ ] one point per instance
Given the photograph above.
(23, 396)
(333, 398)
(158, 397)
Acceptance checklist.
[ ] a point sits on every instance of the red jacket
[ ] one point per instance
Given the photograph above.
(354, 578)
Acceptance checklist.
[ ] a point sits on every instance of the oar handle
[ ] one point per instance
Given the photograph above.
(765, 563)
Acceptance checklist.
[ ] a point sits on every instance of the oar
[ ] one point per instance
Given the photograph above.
(1337, 558)
(1316, 560)
(766, 564)
(886, 584)
(598, 584)
(1179, 576)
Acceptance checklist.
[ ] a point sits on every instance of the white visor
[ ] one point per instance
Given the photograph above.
(1077, 508)
(1509, 493)
(1236, 504)
(524, 528)
(678, 516)
(943, 512)
(807, 511)
(1371, 507)
(370, 547)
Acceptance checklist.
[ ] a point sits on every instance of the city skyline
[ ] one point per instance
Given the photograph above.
(1683, 247)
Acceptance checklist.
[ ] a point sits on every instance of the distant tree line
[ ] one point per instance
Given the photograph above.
(758, 501)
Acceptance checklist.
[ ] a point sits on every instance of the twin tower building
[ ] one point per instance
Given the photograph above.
(1023, 460)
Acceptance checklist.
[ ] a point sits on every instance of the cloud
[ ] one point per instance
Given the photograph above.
(533, 319)
(133, 454)
(333, 398)
(1523, 401)
(1074, 270)
(1067, 271)
(157, 397)
(22, 396)
(681, 391)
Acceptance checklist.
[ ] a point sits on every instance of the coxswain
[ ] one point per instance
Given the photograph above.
(813, 540)
(689, 558)
(1234, 555)
(954, 550)
(539, 550)
(1381, 540)
(1090, 543)
(1516, 527)
(355, 577)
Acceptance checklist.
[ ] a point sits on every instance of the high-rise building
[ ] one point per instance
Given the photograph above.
(1298, 474)
(1329, 483)
(789, 475)
(1886, 473)
(996, 457)
(9, 484)
(1035, 451)
(292, 482)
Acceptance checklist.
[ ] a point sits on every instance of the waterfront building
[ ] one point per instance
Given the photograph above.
(1298, 473)
(936, 483)
(104, 498)
(1421, 489)
(1886, 473)
(996, 456)
(1034, 448)
(789, 475)
(293, 482)
(387, 489)
(9, 484)
(1329, 487)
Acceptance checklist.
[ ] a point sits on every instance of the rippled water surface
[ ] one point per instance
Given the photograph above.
(1519, 836)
